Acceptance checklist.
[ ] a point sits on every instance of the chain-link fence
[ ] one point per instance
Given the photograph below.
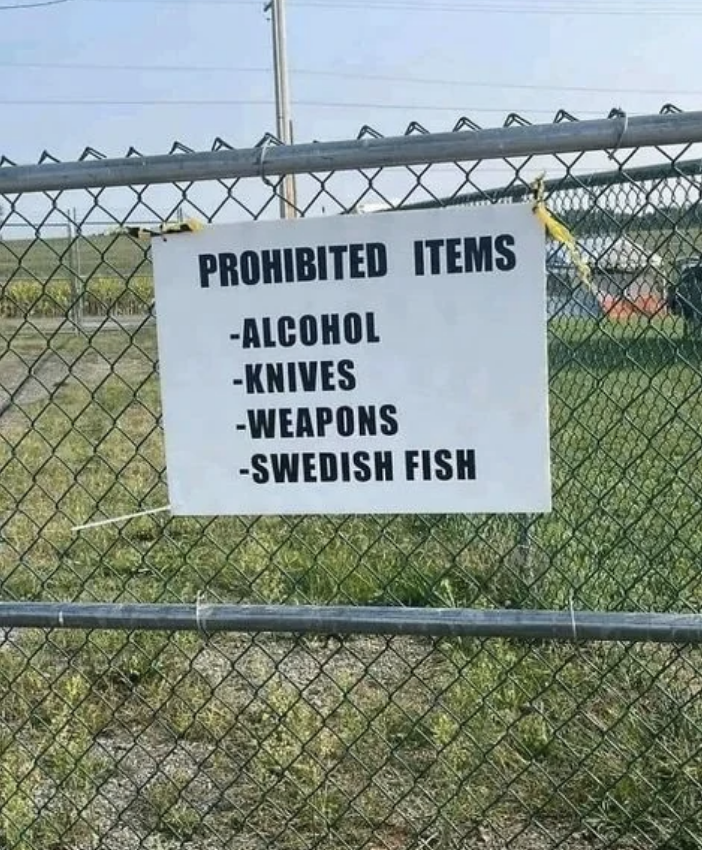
(433, 711)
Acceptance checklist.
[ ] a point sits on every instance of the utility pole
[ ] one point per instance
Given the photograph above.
(282, 99)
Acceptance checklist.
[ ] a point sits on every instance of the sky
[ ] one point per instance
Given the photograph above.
(73, 73)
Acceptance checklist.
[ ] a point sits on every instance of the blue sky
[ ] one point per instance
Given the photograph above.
(616, 52)
(482, 57)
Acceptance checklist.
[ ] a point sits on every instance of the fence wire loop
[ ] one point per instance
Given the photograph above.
(261, 160)
(624, 119)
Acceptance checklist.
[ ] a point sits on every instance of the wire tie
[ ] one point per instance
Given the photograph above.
(124, 518)
(261, 159)
(620, 113)
(572, 618)
(199, 619)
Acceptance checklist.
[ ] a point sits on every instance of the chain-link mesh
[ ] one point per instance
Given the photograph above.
(162, 740)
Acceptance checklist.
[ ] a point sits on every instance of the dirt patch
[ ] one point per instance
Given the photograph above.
(32, 369)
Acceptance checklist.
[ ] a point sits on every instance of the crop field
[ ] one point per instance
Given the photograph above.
(158, 741)
(100, 276)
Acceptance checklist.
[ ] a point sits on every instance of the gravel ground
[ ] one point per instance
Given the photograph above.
(220, 800)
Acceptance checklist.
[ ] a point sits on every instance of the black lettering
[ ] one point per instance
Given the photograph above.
(304, 264)
(426, 464)
(371, 334)
(477, 254)
(411, 463)
(353, 328)
(267, 336)
(227, 270)
(250, 268)
(271, 266)
(328, 467)
(261, 424)
(506, 259)
(275, 377)
(308, 330)
(453, 256)
(356, 260)
(260, 469)
(465, 465)
(337, 252)
(444, 468)
(331, 333)
(347, 379)
(325, 417)
(292, 378)
(286, 331)
(250, 336)
(419, 258)
(367, 423)
(388, 418)
(207, 264)
(305, 425)
(309, 372)
(345, 422)
(302, 376)
(309, 472)
(434, 246)
(286, 423)
(285, 468)
(327, 377)
(324, 467)
(363, 468)
(383, 466)
(252, 372)
(289, 264)
(321, 263)
(377, 259)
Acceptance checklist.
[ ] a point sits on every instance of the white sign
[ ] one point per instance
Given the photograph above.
(392, 363)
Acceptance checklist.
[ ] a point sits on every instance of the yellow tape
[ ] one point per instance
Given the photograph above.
(558, 231)
(191, 225)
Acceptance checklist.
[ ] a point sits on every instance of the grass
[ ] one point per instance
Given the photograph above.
(51, 258)
(369, 742)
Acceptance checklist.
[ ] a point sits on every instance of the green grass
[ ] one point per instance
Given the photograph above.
(290, 743)
(51, 258)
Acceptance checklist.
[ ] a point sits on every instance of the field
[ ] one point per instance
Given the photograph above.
(96, 276)
(151, 740)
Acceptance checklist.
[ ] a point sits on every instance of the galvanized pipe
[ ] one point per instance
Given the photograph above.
(501, 142)
(570, 626)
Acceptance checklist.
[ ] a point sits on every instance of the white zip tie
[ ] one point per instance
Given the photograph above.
(572, 618)
(124, 518)
(199, 620)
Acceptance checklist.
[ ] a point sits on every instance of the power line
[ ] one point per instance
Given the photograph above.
(303, 103)
(560, 7)
(15, 6)
(351, 75)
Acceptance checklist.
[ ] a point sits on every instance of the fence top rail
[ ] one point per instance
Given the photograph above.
(615, 132)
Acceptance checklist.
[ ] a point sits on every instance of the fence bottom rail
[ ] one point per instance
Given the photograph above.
(567, 626)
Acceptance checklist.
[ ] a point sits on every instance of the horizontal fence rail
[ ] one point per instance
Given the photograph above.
(358, 620)
(616, 132)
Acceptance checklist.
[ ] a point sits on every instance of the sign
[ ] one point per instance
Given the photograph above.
(393, 363)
